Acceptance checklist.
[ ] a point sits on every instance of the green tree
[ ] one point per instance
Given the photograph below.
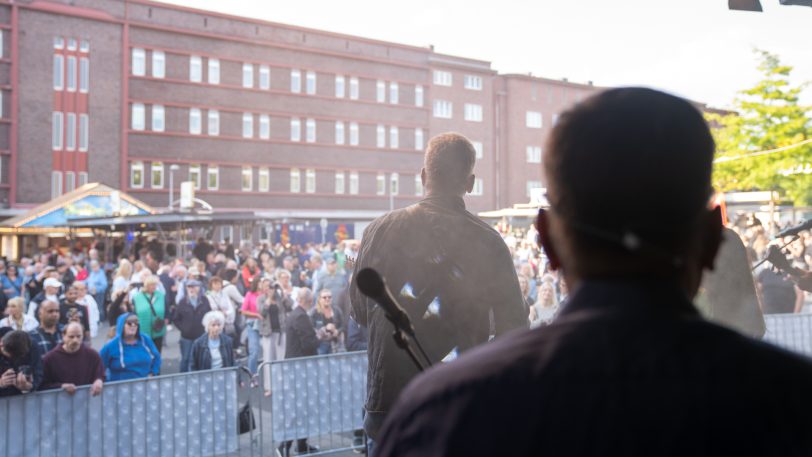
(768, 117)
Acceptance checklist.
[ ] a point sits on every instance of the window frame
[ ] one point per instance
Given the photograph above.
(212, 171)
(162, 110)
(213, 70)
(248, 125)
(138, 113)
(310, 181)
(295, 81)
(195, 69)
(213, 120)
(264, 173)
(310, 130)
(195, 128)
(340, 183)
(156, 169)
(295, 178)
(57, 130)
(158, 69)
(340, 86)
(195, 172)
(340, 133)
(138, 61)
(247, 75)
(84, 132)
(250, 175)
(136, 166)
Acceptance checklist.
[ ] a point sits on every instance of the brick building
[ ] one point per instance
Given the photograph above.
(283, 120)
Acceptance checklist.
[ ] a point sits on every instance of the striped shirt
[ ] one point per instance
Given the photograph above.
(46, 341)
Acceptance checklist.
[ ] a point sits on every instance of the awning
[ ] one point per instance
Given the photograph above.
(90, 200)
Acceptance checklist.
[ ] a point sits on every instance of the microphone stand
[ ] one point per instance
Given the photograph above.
(795, 238)
(401, 336)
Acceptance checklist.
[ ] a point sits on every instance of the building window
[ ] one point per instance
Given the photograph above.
(381, 137)
(380, 184)
(310, 181)
(473, 112)
(2, 54)
(84, 75)
(195, 127)
(194, 175)
(354, 133)
(264, 126)
(82, 178)
(295, 180)
(214, 71)
(478, 189)
(57, 130)
(393, 93)
(59, 72)
(533, 119)
(84, 132)
(443, 109)
(354, 184)
(393, 137)
(394, 184)
(158, 122)
(264, 183)
(195, 69)
(157, 171)
(295, 129)
(138, 116)
(355, 90)
(264, 77)
(213, 177)
(137, 175)
(295, 81)
(339, 86)
(70, 132)
(311, 82)
(418, 185)
(59, 42)
(418, 96)
(247, 125)
(214, 122)
(56, 184)
(533, 154)
(381, 91)
(442, 78)
(311, 131)
(339, 182)
(339, 132)
(71, 44)
(418, 139)
(71, 74)
(139, 62)
(247, 179)
(248, 75)
(478, 149)
(532, 185)
(158, 64)
(472, 82)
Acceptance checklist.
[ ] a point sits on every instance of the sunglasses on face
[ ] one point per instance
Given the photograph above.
(132, 323)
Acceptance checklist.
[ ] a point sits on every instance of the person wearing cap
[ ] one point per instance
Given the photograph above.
(331, 278)
(188, 318)
(52, 287)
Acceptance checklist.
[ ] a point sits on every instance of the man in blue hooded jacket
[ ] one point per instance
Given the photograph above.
(131, 354)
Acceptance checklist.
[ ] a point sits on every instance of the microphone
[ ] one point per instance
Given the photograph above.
(371, 284)
(792, 231)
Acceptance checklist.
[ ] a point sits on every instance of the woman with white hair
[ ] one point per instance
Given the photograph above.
(16, 317)
(213, 349)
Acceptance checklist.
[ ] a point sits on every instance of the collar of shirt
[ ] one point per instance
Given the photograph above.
(642, 295)
(454, 202)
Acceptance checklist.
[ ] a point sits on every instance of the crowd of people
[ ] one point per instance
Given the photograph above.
(256, 304)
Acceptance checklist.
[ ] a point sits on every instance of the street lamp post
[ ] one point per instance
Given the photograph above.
(172, 169)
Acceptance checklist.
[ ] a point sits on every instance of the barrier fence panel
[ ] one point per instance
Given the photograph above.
(790, 331)
(320, 396)
(177, 415)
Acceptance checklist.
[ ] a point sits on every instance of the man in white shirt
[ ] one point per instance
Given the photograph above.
(87, 300)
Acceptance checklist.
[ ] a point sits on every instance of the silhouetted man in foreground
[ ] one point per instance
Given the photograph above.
(629, 367)
(448, 268)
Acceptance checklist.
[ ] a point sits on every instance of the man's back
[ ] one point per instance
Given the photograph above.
(628, 369)
(434, 249)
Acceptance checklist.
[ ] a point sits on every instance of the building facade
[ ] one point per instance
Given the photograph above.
(283, 120)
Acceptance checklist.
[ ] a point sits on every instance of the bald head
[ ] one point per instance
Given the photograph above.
(628, 180)
(630, 160)
(448, 165)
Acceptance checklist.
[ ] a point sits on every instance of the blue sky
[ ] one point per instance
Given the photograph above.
(695, 48)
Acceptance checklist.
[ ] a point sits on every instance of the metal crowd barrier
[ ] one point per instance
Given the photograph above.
(320, 398)
(790, 331)
(188, 414)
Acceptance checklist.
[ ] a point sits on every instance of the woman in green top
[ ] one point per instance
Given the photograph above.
(150, 307)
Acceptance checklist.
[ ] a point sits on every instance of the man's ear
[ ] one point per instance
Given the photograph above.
(423, 177)
(469, 183)
(543, 227)
(711, 237)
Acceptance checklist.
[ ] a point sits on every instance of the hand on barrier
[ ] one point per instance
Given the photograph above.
(69, 388)
(96, 388)
(9, 378)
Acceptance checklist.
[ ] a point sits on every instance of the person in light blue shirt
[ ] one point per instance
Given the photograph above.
(97, 286)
